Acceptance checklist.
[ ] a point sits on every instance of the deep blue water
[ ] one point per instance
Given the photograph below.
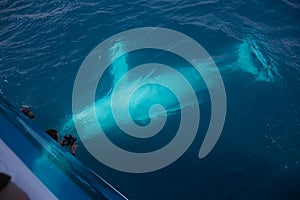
(42, 46)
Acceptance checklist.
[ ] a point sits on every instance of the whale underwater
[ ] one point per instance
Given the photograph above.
(249, 59)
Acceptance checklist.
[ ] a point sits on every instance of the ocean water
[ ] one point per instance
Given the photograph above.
(255, 45)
